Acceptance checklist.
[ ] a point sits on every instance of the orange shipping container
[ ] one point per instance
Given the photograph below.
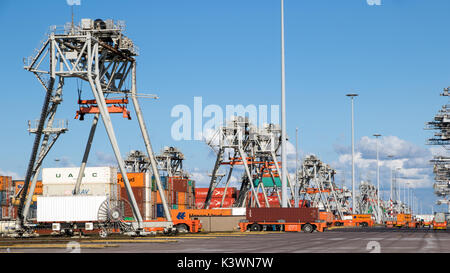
(182, 198)
(158, 197)
(403, 217)
(136, 179)
(326, 216)
(5, 183)
(19, 184)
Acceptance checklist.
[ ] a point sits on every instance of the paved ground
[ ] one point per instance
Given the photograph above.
(336, 241)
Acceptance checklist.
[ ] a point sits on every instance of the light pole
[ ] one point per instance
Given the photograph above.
(390, 198)
(392, 177)
(378, 180)
(284, 201)
(296, 169)
(396, 185)
(352, 96)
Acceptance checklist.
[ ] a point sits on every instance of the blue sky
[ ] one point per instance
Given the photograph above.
(228, 52)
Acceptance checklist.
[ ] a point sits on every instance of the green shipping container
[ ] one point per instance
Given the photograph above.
(268, 182)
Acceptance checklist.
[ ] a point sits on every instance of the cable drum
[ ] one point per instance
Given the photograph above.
(111, 217)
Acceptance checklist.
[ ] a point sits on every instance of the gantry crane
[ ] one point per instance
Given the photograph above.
(257, 149)
(441, 169)
(317, 186)
(96, 52)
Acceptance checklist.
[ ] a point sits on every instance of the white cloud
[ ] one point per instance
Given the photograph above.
(14, 175)
(413, 161)
(201, 178)
(65, 161)
(104, 159)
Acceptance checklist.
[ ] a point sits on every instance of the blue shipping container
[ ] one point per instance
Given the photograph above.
(159, 210)
(163, 182)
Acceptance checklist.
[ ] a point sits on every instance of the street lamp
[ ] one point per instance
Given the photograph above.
(352, 96)
(378, 180)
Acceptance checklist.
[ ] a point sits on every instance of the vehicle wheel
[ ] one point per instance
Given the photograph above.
(338, 224)
(182, 228)
(364, 224)
(255, 227)
(307, 228)
(103, 233)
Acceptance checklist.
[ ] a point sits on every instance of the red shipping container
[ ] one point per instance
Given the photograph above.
(199, 203)
(9, 212)
(292, 215)
(178, 184)
(139, 196)
(214, 203)
(227, 203)
(218, 192)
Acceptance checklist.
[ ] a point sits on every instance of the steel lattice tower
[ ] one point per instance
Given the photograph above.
(96, 52)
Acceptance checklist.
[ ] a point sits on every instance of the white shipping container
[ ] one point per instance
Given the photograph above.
(238, 211)
(425, 217)
(85, 190)
(7, 227)
(69, 208)
(92, 175)
(439, 217)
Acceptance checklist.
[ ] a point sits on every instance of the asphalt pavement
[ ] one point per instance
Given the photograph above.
(369, 240)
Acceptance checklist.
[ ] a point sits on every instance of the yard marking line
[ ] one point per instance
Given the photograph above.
(430, 244)
(185, 237)
(56, 246)
(133, 241)
(212, 235)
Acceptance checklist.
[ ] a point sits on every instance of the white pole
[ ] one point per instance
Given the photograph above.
(296, 169)
(392, 177)
(378, 180)
(353, 158)
(284, 199)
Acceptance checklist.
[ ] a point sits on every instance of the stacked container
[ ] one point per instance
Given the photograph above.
(6, 193)
(141, 189)
(58, 203)
(97, 181)
(178, 193)
(216, 198)
(38, 191)
(181, 192)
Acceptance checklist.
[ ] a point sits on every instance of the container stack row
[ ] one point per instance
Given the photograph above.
(178, 193)
(216, 198)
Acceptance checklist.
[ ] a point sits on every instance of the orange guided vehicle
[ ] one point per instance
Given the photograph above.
(355, 220)
(439, 221)
(439, 225)
(402, 220)
(184, 220)
(283, 219)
